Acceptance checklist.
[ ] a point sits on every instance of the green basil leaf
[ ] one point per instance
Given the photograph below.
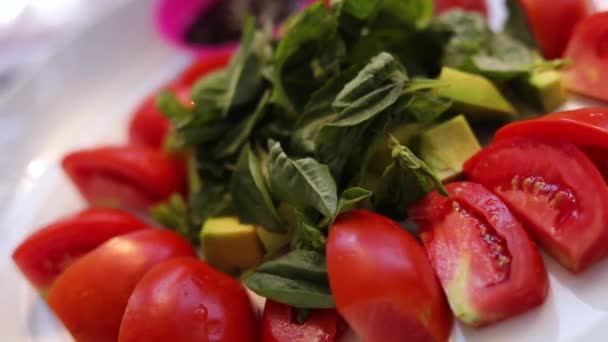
(303, 183)
(175, 215)
(368, 106)
(208, 94)
(517, 25)
(298, 278)
(426, 107)
(350, 198)
(212, 200)
(236, 137)
(406, 180)
(250, 196)
(307, 236)
(168, 104)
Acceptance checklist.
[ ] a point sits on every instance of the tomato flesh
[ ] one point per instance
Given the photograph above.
(133, 177)
(184, 299)
(552, 26)
(397, 296)
(554, 189)
(588, 50)
(467, 5)
(279, 324)
(91, 295)
(487, 265)
(45, 254)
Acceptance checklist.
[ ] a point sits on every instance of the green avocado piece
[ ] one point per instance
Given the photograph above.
(446, 146)
(272, 241)
(229, 245)
(474, 95)
(543, 89)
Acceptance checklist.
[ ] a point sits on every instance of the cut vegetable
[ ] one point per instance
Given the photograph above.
(556, 192)
(487, 265)
(544, 89)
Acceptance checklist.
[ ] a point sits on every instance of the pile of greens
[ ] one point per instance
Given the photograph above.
(285, 136)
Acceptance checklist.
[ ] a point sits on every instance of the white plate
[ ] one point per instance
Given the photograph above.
(83, 96)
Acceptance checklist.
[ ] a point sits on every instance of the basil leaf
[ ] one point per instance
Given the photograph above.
(517, 24)
(302, 56)
(208, 94)
(350, 198)
(368, 106)
(175, 215)
(298, 278)
(212, 200)
(406, 180)
(168, 104)
(426, 107)
(235, 138)
(303, 183)
(307, 236)
(250, 196)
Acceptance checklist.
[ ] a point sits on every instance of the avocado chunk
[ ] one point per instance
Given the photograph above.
(272, 242)
(544, 89)
(474, 95)
(229, 245)
(446, 146)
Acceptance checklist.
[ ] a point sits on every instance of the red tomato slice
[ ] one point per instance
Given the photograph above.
(184, 299)
(467, 5)
(201, 67)
(132, 177)
(279, 324)
(587, 128)
(148, 126)
(90, 297)
(554, 189)
(382, 281)
(552, 26)
(45, 254)
(487, 265)
(588, 49)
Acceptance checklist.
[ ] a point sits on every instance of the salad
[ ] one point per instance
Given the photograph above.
(335, 169)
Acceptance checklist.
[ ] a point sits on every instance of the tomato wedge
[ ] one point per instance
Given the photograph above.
(90, 297)
(467, 5)
(487, 265)
(382, 281)
(279, 324)
(555, 191)
(552, 25)
(133, 177)
(45, 254)
(587, 128)
(184, 299)
(588, 49)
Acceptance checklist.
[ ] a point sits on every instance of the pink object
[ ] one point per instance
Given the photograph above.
(173, 19)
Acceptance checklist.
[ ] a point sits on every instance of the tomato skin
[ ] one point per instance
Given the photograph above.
(279, 325)
(586, 127)
(185, 299)
(466, 5)
(552, 26)
(483, 257)
(45, 254)
(588, 49)
(91, 295)
(554, 189)
(397, 296)
(133, 177)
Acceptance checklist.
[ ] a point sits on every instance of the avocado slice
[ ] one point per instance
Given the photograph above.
(474, 95)
(229, 245)
(446, 146)
(272, 242)
(544, 89)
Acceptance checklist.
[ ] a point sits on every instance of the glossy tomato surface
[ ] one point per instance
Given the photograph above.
(588, 50)
(467, 5)
(382, 281)
(91, 295)
(184, 299)
(554, 189)
(133, 177)
(148, 126)
(279, 324)
(552, 23)
(49, 251)
(587, 128)
(487, 265)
